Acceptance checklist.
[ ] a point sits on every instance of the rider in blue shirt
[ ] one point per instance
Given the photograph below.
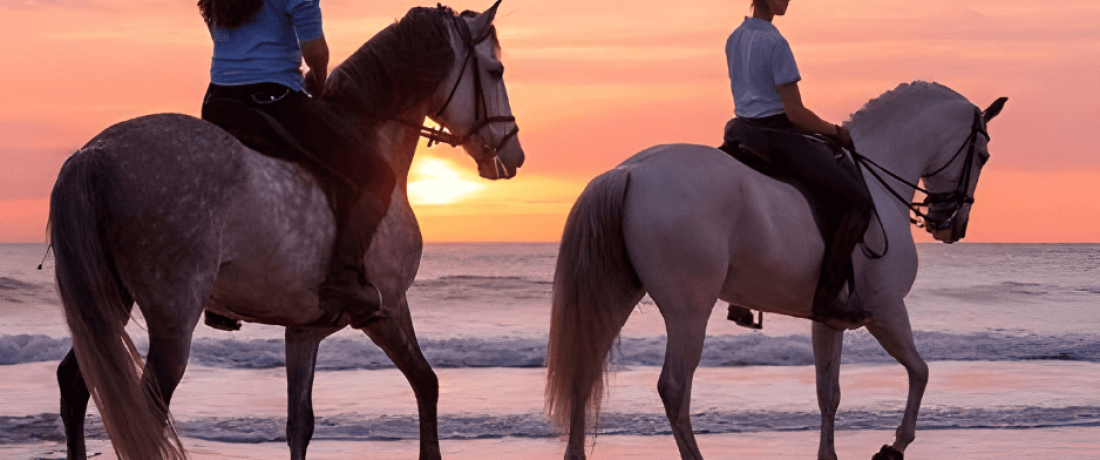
(771, 121)
(255, 81)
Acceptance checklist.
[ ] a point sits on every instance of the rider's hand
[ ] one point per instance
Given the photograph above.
(843, 137)
(314, 87)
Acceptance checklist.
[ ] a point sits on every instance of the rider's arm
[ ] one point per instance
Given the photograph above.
(805, 119)
(305, 15)
(315, 53)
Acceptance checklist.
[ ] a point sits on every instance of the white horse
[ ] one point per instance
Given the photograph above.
(174, 213)
(690, 225)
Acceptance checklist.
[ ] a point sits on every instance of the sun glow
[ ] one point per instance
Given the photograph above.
(438, 182)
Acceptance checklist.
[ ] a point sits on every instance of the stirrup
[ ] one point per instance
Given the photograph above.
(221, 323)
(743, 317)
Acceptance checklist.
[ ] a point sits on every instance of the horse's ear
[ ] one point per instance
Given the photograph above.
(994, 109)
(485, 20)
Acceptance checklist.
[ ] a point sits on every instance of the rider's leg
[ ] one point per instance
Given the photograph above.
(848, 204)
(359, 207)
(346, 288)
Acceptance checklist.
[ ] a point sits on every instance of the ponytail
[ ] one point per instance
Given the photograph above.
(229, 14)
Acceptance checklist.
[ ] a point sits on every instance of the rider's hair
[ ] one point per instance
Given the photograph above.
(229, 14)
(761, 5)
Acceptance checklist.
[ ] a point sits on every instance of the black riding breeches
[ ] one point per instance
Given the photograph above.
(779, 149)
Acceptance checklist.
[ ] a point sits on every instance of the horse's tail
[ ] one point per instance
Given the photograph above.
(97, 307)
(595, 289)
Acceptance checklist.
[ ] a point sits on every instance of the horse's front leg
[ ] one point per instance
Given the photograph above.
(894, 333)
(396, 337)
(828, 342)
(301, 360)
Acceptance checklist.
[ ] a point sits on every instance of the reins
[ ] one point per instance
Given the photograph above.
(958, 196)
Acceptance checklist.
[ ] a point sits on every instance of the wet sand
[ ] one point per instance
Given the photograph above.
(984, 444)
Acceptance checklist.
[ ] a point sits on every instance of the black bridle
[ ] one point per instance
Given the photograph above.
(957, 197)
(481, 118)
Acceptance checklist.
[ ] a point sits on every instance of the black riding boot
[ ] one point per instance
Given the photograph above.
(837, 270)
(346, 289)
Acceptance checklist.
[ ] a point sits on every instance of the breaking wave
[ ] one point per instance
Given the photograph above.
(720, 351)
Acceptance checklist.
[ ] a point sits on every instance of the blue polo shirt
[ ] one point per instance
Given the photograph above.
(266, 50)
(759, 59)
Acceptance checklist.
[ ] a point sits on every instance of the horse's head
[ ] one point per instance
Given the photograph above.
(473, 101)
(952, 176)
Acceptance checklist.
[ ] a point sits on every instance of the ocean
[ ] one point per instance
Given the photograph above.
(1011, 333)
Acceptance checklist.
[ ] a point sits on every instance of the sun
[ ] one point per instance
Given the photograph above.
(438, 182)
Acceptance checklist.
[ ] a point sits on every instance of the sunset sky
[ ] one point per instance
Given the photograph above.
(592, 82)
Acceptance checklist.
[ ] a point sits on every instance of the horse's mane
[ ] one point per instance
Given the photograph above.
(398, 67)
(891, 101)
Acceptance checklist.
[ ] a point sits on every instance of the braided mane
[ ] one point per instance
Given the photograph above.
(891, 101)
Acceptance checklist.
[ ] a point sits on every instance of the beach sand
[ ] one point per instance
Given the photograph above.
(984, 444)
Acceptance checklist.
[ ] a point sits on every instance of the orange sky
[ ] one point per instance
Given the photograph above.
(592, 82)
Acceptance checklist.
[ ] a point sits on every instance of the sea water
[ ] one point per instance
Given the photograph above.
(1011, 334)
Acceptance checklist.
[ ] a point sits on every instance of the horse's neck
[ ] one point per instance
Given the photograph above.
(897, 147)
(396, 141)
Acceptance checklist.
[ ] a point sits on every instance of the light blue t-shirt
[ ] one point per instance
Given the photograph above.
(759, 59)
(267, 49)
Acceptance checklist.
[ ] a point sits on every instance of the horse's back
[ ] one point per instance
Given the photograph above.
(188, 202)
(698, 208)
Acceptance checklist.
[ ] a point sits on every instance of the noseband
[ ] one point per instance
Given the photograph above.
(957, 197)
(481, 118)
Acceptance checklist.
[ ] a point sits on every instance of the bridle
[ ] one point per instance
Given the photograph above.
(481, 118)
(957, 197)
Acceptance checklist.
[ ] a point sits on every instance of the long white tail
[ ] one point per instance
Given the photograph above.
(97, 307)
(595, 289)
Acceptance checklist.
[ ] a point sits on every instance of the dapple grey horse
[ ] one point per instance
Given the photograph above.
(175, 214)
(690, 225)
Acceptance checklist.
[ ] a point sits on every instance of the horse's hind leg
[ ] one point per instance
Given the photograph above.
(74, 405)
(301, 360)
(396, 337)
(896, 336)
(827, 349)
(169, 349)
(74, 401)
(686, 325)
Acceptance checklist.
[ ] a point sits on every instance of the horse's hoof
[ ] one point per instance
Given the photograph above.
(888, 453)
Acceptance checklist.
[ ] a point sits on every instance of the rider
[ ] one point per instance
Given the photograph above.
(259, 46)
(770, 120)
